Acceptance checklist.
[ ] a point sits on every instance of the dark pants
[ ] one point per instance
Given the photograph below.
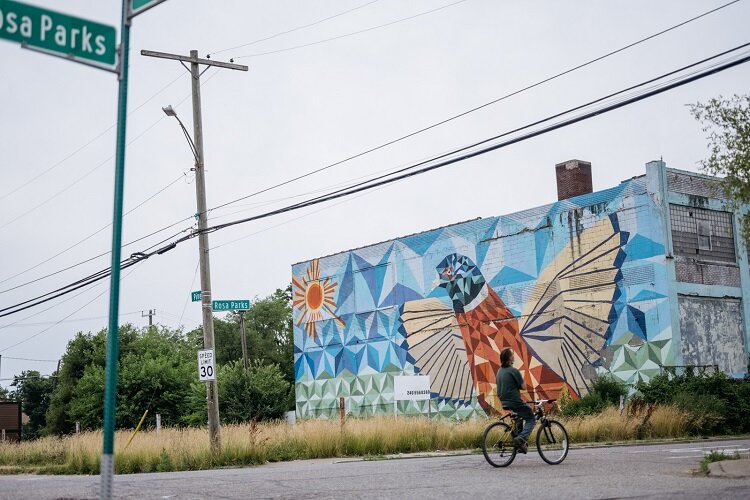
(524, 412)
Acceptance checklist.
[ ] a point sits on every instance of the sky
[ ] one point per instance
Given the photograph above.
(327, 80)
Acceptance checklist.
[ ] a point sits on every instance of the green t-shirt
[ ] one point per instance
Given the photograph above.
(509, 381)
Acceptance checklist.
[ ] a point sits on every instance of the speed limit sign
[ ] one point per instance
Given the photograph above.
(206, 369)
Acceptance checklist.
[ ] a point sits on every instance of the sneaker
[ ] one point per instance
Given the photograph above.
(524, 447)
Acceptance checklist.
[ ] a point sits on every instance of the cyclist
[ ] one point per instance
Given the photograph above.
(509, 384)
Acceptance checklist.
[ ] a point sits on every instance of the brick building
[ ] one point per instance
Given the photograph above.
(628, 280)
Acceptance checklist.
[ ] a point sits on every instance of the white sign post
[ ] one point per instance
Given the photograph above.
(411, 388)
(206, 369)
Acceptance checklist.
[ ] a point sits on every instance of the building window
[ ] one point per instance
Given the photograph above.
(704, 235)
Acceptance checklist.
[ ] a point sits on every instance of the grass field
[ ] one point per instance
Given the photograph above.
(250, 444)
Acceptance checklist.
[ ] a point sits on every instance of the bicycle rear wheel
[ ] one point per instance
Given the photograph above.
(552, 442)
(497, 444)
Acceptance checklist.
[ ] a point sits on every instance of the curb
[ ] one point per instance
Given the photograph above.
(730, 469)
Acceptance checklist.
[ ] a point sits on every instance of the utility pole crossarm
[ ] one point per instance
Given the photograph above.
(193, 60)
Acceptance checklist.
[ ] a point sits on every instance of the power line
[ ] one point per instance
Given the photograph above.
(32, 359)
(477, 108)
(81, 241)
(412, 171)
(106, 290)
(130, 243)
(408, 172)
(91, 141)
(352, 33)
(77, 320)
(66, 188)
(293, 29)
(541, 82)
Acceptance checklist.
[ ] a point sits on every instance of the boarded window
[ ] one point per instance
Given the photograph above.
(702, 234)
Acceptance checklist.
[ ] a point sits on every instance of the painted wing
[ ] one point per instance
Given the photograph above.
(566, 327)
(434, 341)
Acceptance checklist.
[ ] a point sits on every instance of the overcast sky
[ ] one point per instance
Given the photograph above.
(301, 109)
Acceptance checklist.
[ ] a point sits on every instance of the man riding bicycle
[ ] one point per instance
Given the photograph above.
(509, 384)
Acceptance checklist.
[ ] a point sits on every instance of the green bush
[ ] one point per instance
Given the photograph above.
(717, 403)
(260, 393)
(610, 388)
(605, 391)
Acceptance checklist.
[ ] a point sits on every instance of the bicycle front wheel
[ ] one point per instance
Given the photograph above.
(552, 442)
(497, 445)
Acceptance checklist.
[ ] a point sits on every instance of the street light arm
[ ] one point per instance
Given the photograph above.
(190, 141)
(169, 111)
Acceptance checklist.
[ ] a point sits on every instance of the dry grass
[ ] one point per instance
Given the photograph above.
(660, 422)
(249, 444)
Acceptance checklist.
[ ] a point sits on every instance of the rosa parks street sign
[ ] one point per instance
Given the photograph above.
(58, 33)
(230, 305)
(206, 370)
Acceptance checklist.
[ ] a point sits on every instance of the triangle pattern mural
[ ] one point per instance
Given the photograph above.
(363, 316)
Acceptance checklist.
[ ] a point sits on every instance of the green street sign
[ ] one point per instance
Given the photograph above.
(231, 305)
(58, 33)
(196, 296)
(138, 6)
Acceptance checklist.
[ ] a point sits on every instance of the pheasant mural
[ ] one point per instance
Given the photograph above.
(576, 288)
(555, 340)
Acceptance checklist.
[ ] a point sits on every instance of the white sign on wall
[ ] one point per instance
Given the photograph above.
(206, 370)
(411, 387)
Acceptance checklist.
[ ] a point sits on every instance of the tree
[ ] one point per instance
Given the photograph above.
(727, 122)
(269, 331)
(260, 393)
(5, 394)
(157, 367)
(34, 392)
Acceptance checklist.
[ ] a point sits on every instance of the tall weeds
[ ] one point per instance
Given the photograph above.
(250, 444)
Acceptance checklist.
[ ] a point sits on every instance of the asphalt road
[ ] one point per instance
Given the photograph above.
(651, 471)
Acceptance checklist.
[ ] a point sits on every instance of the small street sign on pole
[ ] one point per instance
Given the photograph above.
(230, 305)
(141, 6)
(58, 34)
(195, 296)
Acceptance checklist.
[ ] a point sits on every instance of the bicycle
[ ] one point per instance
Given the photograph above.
(551, 438)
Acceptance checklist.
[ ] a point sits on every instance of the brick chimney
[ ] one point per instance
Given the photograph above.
(573, 179)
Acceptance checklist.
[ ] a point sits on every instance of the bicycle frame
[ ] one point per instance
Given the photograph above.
(516, 421)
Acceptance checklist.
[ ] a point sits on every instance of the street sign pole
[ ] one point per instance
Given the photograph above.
(110, 386)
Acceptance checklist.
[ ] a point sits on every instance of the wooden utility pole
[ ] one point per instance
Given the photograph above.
(196, 145)
(243, 339)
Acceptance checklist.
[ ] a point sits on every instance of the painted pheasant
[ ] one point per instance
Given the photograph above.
(556, 339)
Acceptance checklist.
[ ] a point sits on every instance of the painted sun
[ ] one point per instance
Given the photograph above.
(313, 297)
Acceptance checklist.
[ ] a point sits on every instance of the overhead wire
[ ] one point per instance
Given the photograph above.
(412, 171)
(81, 241)
(477, 108)
(78, 180)
(77, 320)
(106, 290)
(541, 82)
(293, 29)
(458, 155)
(359, 32)
(130, 243)
(84, 146)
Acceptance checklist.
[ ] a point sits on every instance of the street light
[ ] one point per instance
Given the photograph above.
(196, 147)
(169, 111)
